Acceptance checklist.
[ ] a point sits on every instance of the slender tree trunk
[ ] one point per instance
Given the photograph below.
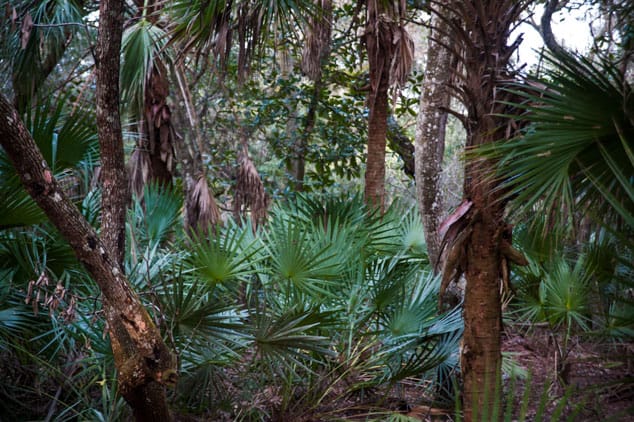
(298, 161)
(378, 41)
(145, 363)
(114, 196)
(375, 162)
(430, 132)
(390, 52)
(144, 394)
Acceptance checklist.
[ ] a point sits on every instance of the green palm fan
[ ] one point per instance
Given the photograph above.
(576, 152)
(66, 140)
(143, 43)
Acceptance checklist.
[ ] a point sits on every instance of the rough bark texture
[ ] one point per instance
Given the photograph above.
(142, 373)
(142, 359)
(482, 29)
(114, 195)
(430, 132)
(380, 48)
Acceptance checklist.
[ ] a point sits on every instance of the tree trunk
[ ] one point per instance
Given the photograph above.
(143, 361)
(140, 372)
(430, 132)
(482, 29)
(378, 41)
(114, 195)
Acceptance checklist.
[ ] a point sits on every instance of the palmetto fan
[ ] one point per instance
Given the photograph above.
(576, 152)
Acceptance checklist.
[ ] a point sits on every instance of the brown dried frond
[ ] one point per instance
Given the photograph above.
(250, 191)
(201, 210)
(317, 42)
(403, 57)
(139, 170)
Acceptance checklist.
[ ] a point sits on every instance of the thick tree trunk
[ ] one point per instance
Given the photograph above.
(145, 363)
(430, 132)
(482, 29)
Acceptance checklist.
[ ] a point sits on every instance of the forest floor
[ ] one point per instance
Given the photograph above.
(600, 379)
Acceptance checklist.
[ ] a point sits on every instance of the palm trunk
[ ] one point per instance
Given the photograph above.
(482, 29)
(377, 132)
(380, 49)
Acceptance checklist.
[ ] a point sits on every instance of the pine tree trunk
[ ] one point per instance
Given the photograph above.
(430, 133)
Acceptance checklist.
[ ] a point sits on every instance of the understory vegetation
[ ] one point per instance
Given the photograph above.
(251, 173)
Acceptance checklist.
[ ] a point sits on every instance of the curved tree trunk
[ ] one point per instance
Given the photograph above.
(430, 132)
(143, 361)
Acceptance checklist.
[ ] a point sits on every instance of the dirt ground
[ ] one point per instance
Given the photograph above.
(600, 379)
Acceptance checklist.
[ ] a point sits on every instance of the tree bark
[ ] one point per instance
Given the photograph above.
(115, 194)
(399, 142)
(430, 132)
(379, 45)
(482, 30)
(140, 372)
(150, 365)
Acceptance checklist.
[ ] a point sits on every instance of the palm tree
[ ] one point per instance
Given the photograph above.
(390, 53)
(36, 41)
(575, 161)
(476, 236)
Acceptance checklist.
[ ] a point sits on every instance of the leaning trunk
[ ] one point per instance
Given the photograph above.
(143, 361)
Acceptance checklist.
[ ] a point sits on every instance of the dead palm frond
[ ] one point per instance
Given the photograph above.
(250, 191)
(201, 210)
(139, 171)
(317, 42)
(216, 25)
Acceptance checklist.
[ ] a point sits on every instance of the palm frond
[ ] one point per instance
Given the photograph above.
(230, 256)
(288, 339)
(298, 263)
(143, 43)
(218, 25)
(574, 152)
(159, 213)
(204, 327)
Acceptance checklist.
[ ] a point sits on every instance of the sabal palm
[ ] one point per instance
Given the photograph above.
(576, 153)
(576, 158)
